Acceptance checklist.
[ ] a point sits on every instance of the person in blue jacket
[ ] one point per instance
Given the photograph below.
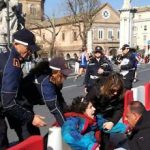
(23, 46)
(43, 85)
(4, 53)
(81, 130)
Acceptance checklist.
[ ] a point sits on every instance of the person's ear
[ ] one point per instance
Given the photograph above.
(136, 116)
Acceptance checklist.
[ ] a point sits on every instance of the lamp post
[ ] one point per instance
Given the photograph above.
(8, 24)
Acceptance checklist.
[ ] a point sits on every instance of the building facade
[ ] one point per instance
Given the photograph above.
(141, 27)
(104, 31)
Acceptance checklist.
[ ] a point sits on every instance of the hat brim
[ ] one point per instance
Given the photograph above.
(66, 72)
(98, 51)
(33, 48)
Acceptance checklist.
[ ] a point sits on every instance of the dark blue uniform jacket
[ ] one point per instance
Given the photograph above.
(12, 75)
(38, 89)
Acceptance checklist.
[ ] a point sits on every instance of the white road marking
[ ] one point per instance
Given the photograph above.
(74, 85)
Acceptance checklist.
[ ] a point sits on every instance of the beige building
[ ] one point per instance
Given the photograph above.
(104, 31)
(141, 27)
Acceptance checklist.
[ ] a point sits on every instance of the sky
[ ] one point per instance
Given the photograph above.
(56, 7)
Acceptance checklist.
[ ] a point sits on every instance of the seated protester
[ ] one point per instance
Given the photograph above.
(44, 84)
(108, 101)
(81, 129)
(138, 120)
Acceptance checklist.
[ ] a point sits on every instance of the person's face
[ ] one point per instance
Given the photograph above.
(115, 91)
(90, 110)
(97, 54)
(23, 50)
(125, 51)
(132, 118)
(64, 77)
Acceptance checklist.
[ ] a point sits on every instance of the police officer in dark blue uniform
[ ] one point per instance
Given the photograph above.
(4, 53)
(44, 84)
(127, 66)
(23, 45)
(98, 69)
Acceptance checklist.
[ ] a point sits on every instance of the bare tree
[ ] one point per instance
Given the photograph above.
(54, 34)
(81, 15)
(50, 25)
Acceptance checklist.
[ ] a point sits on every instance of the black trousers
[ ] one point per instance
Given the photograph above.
(22, 131)
(25, 131)
(3, 134)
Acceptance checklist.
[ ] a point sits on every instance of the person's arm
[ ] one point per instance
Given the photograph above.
(72, 136)
(107, 66)
(10, 84)
(51, 99)
(118, 112)
(130, 63)
(87, 76)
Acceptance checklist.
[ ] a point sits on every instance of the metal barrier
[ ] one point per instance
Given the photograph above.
(128, 97)
(147, 96)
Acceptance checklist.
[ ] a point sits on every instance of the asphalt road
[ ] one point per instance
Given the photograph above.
(75, 88)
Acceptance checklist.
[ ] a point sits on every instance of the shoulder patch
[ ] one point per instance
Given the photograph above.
(16, 63)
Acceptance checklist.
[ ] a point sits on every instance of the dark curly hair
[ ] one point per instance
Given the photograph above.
(79, 104)
(41, 68)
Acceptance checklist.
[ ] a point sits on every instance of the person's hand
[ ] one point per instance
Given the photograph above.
(85, 90)
(100, 71)
(108, 125)
(38, 121)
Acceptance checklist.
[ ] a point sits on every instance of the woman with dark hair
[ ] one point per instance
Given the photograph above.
(108, 101)
(81, 129)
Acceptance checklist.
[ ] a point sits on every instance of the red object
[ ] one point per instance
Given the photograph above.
(147, 96)
(128, 97)
(31, 143)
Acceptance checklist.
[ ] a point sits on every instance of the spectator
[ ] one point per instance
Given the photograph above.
(138, 119)
(108, 101)
(76, 68)
(137, 60)
(81, 129)
(83, 60)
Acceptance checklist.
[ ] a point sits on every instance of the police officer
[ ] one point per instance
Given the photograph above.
(127, 66)
(4, 53)
(44, 84)
(98, 69)
(23, 45)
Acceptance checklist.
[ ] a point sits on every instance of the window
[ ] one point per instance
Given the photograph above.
(144, 38)
(101, 34)
(145, 28)
(118, 34)
(63, 36)
(110, 34)
(44, 36)
(32, 10)
(75, 36)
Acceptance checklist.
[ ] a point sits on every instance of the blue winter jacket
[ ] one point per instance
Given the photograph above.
(79, 131)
